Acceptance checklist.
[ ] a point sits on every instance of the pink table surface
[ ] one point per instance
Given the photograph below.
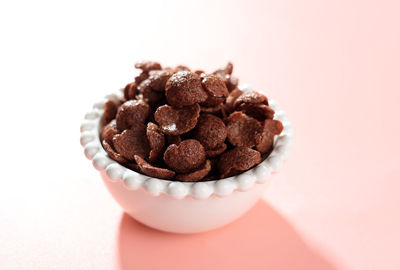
(334, 66)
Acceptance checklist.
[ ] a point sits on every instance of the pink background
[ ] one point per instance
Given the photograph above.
(334, 66)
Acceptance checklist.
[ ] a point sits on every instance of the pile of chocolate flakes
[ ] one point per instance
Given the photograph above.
(174, 123)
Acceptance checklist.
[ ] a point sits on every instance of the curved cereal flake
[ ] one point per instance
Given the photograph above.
(132, 112)
(210, 131)
(215, 88)
(174, 121)
(228, 69)
(110, 110)
(158, 79)
(141, 77)
(231, 82)
(112, 153)
(153, 171)
(185, 157)
(146, 66)
(132, 142)
(184, 89)
(150, 96)
(156, 141)
(243, 130)
(251, 97)
(230, 100)
(109, 131)
(130, 90)
(217, 151)
(240, 158)
(270, 129)
(197, 175)
(133, 166)
(258, 111)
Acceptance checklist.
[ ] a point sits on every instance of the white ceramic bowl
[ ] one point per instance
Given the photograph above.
(181, 207)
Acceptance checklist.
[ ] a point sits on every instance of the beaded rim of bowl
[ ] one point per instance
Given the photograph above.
(133, 180)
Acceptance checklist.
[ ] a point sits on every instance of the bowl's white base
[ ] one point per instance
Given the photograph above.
(188, 215)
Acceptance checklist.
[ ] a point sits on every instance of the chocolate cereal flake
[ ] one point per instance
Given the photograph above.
(230, 100)
(109, 131)
(231, 82)
(130, 90)
(185, 157)
(210, 131)
(132, 112)
(243, 130)
(153, 171)
(215, 88)
(132, 142)
(110, 110)
(240, 158)
(158, 79)
(184, 89)
(141, 77)
(252, 97)
(156, 141)
(216, 151)
(174, 121)
(258, 111)
(150, 96)
(112, 153)
(197, 175)
(270, 129)
(228, 69)
(146, 66)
